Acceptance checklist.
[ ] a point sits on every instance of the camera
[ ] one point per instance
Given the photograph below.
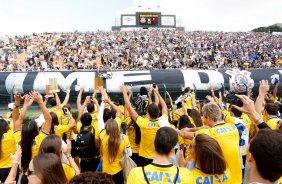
(65, 110)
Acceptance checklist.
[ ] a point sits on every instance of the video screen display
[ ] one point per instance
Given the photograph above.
(149, 19)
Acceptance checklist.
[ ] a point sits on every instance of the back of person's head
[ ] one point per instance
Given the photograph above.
(165, 141)
(48, 168)
(29, 132)
(51, 144)
(86, 119)
(3, 129)
(153, 111)
(212, 111)
(196, 116)
(208, 155)
(184, 122)
(53, 102)
(236, 112)
(143, 91)
(107, 114)
(112, 130)
(92, 178)
(90, 108)
(271, 108)
(187, 90)
(179, 105)
(266, 151)
(121, 101)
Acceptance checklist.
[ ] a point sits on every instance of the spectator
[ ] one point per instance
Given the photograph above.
(92, 178)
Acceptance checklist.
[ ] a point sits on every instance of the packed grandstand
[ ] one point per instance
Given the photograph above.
(149, 49)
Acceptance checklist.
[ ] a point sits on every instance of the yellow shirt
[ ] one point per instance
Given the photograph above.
(114, 167)
(131, 135)
(227, 137)
(177, 114)
(273, 122)
(198, 177)
(36, 143)
(69, 171)
(8, 146)
(188, 100)
(274, 99)
(58, 111)
(94, 124)
(60, 129)
(66, 120)
(162, 174)
(148, 130)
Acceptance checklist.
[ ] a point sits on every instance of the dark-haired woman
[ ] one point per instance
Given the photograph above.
(113, 143)
(7, 146)
(92, 177)
(53, 144)
(134, 135)
(210, 165)
(26, 132)
(46, 169)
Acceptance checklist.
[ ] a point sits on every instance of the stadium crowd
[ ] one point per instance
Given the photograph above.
(150, 49)
(182, 141)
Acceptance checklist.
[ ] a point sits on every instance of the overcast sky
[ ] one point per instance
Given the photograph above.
(28, 16)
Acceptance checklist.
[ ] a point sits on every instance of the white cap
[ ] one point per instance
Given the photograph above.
(11, 105)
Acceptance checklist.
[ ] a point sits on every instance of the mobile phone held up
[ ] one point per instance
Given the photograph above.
(154, 85)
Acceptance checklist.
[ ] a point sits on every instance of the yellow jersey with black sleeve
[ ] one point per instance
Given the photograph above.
(36, 142)
(131, 135)
(198, 177)
(69, 171)
(158, 174)
(8, 146)
(148, 130)
(114, 167)
(227, 136)
(273, 122)
(66, 120)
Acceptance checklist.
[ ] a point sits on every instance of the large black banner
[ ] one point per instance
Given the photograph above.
(169, 79)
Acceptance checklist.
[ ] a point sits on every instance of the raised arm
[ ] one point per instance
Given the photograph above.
(101, 124)
(263, 89)
(86, 102)
(16, 112)
(58, 101)
(67, 97)
(162, 102)
(48, 119)
(157, 100)
(274, 95)
(17, 123)
(132, 112)
(78, 100)
(46, 100)
(107, 100)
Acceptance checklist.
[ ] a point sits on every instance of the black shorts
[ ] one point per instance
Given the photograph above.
(73, 149)
(4, 172)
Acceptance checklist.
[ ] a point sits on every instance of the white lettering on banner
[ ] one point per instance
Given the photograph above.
(192, 77)
(118, 79)
(15, 80)
(83, 79)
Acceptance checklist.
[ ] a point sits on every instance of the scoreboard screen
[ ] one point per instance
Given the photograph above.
(149, 19)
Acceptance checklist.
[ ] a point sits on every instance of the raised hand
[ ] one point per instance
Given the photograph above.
(263, 87)
(36, 96)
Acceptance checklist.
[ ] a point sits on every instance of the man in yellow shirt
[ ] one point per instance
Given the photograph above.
(225, 134)
(161, 170)
(148, 126)
(270, 111)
